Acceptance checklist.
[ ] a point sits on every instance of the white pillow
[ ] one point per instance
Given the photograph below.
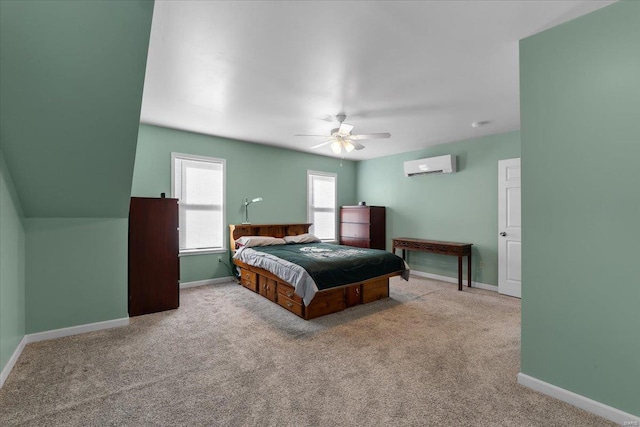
(249, 241)
(302, 238)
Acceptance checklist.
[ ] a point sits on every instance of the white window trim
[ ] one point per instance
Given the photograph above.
(202, 251)
(188, 252)
(335, 201)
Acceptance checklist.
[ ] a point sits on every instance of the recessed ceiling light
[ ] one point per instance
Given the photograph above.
(480, 124)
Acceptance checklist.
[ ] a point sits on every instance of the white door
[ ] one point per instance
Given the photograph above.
(509, 228)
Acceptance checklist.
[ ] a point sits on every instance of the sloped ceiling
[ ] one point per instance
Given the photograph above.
(71, 81)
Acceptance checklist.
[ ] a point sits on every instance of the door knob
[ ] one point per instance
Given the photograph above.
(503, 234)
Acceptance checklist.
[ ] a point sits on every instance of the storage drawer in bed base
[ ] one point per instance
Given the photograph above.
(287, 291)
(291, 305)
(324, 302)
(249, 279)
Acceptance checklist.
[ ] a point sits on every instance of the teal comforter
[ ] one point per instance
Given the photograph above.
(336, 265)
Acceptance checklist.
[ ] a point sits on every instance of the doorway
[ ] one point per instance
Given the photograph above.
(509, 228)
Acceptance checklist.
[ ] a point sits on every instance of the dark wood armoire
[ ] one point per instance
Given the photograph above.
(154, 267)
(363, 226)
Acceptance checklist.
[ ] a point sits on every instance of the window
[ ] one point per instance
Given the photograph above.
(198, 184)
(322, 204)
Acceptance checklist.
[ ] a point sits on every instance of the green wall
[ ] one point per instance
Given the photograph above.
(580, 107)
(81, 274)
(12, 268)
(71, 80)
(277, 175)
(461, 207)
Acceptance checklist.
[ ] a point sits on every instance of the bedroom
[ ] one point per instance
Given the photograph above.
(71, 196)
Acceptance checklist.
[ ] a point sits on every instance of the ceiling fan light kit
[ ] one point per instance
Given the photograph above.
(338, 144)
(336, 147)
(348, 146)
(341, 137)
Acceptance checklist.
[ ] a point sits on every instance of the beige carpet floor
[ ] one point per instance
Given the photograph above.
(427, 356)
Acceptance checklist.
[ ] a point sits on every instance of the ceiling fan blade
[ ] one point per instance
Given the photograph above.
(299, 134)
(357, 145)
(345, 129)
(324, 143)
(370, 136)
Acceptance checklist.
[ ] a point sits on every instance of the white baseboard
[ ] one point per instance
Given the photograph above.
(454, 280)
(589, 405)
(75, 330)
(57, 333)
(207, 282)
(12, 361)
(90, 327)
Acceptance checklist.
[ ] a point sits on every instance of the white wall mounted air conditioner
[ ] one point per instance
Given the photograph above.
(440, 164)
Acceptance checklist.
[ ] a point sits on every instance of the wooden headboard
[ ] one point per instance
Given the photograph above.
(275, 230)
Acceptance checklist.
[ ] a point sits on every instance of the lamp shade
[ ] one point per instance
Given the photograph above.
(336, 147)
(348, 146)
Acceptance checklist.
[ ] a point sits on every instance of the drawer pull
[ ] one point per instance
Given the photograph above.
(357, 291)
(289, 304)
(289, 294)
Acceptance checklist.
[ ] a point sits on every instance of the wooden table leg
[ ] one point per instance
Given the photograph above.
(459, 273)
(469, 270)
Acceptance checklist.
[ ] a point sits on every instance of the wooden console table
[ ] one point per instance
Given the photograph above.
(438, 247)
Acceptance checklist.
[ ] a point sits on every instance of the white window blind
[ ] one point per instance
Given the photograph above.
(199, 187)
(322, 204)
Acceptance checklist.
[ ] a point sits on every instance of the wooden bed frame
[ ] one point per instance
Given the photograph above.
(282, 293)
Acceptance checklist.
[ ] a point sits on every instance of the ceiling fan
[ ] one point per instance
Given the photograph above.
(342, 138)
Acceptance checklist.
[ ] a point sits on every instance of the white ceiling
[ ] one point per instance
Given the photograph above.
(262, 71)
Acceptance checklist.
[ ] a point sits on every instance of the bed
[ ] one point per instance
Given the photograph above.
(306, 277)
